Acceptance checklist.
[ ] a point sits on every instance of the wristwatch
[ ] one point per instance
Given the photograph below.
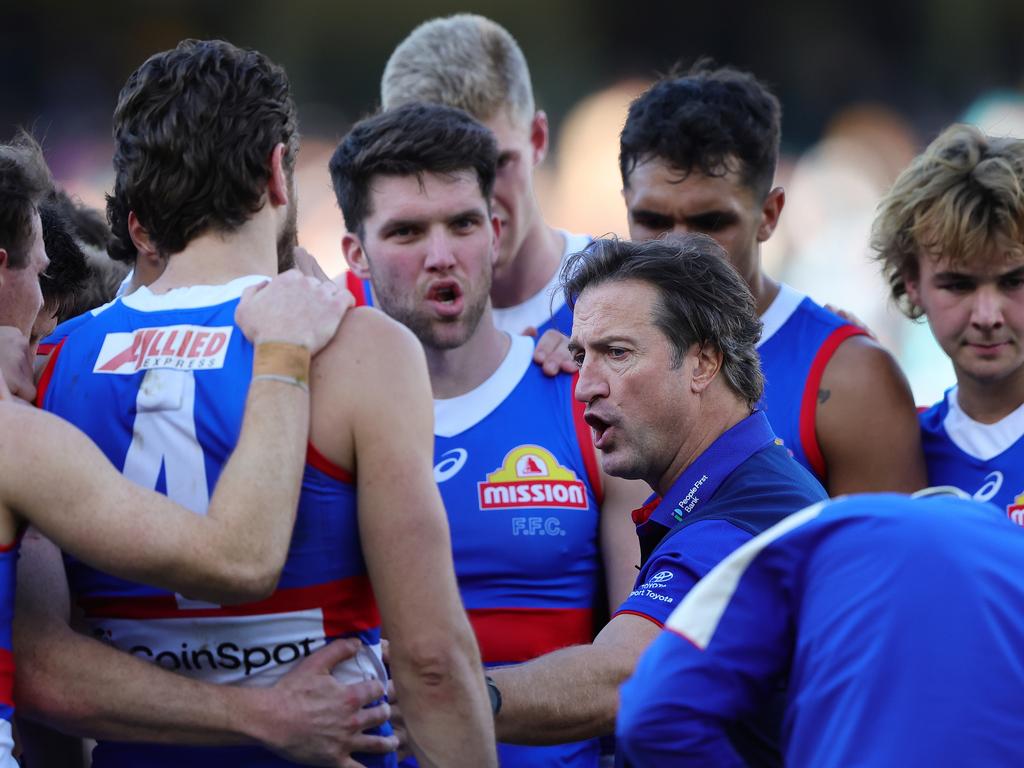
(495, 694)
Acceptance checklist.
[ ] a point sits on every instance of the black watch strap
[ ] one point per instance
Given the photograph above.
(494, 693)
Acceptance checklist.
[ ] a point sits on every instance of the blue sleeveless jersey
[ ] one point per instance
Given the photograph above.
(983, 460)
(798, 340)
(543, 311)
(159, 382)
(517, 470)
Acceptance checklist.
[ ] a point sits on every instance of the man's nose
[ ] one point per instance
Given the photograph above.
(590, 382)
(440, 253)
(987, 311)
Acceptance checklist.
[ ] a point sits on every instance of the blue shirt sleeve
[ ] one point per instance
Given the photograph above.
(718, 665)
(678, 563)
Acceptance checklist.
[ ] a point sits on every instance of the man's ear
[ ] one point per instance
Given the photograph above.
(277, 184)
(707, 364)
(140, 237)
(771, 209)
(495, 236)
(3, 265)
(355, 256)
(539, 136)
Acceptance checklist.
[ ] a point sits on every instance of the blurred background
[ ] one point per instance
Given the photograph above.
(864, 86)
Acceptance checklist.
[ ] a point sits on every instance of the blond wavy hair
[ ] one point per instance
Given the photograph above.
(963, 194)
(464, 61)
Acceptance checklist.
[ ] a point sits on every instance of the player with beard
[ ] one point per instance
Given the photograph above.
(533, 519)
(950, 237)
(206, 139)
(471, 63)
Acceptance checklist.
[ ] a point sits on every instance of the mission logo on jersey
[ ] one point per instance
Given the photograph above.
(1015, 511)
(530, 476)
(182, 347)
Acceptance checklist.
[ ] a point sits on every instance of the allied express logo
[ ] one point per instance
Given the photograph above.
(1015, 511)
(184, 347)
(530, 477)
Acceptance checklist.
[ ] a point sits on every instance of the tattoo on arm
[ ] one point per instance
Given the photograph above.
(824, 395)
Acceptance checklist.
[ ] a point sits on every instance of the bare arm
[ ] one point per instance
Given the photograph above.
(867, 424)
(573, 693)
(405, 537)
(234, 552)
(620, 548)
(86, 687)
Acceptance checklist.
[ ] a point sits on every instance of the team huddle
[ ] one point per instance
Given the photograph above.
(506, 494)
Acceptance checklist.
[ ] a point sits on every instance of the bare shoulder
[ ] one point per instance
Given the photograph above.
(373, 370)
(860, 369)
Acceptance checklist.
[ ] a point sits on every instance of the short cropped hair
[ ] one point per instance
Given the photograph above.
(24, 181)
(703, 299)
(194, 129)
(409, 141)
(961, 195)
(715, 121)
(464, 61)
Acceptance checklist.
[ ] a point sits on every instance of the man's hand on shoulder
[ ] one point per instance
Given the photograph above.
(294, 309)
(552, 353)
(311, 718)
(15, 364)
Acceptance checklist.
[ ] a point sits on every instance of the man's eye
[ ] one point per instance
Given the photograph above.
(957, 286)
(1012, 283)
(616, 353)
(578, 359)
(652, 221)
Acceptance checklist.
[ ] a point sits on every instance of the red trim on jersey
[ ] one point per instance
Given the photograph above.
(44, 380)
(587, 449)
(521, 634)
(6, 677)
(357, 288)
(809, 402)
(42, 349)
(317, 460)
(348, 605)
(641, 615)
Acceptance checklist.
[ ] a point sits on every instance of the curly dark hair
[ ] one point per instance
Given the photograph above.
(194, 129)
(24, 180)
(68, 271)
(714, 120)
(703, 299)
(410, 140)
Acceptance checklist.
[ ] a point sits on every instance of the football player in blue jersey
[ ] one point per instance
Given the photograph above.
(892, 622)
(950, 237)
(698, 154)
(534, 521)
(472, 63)
(205, 143)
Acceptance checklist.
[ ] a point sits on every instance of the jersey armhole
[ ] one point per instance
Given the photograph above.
(809, 401)
(318, 461)
(44, 380)
(586, 443)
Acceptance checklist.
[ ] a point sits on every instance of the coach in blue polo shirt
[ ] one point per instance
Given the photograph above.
(664, 334)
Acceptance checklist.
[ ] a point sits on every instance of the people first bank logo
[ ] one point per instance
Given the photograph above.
(530, 477)
(181, 347)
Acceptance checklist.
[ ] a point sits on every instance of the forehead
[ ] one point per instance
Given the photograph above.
(656, 183)
(424, 196)
(615, 309)
(507, 130)
(996, 258)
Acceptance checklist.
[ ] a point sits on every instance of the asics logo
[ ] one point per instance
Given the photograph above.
(450, 464)
(993, 482)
